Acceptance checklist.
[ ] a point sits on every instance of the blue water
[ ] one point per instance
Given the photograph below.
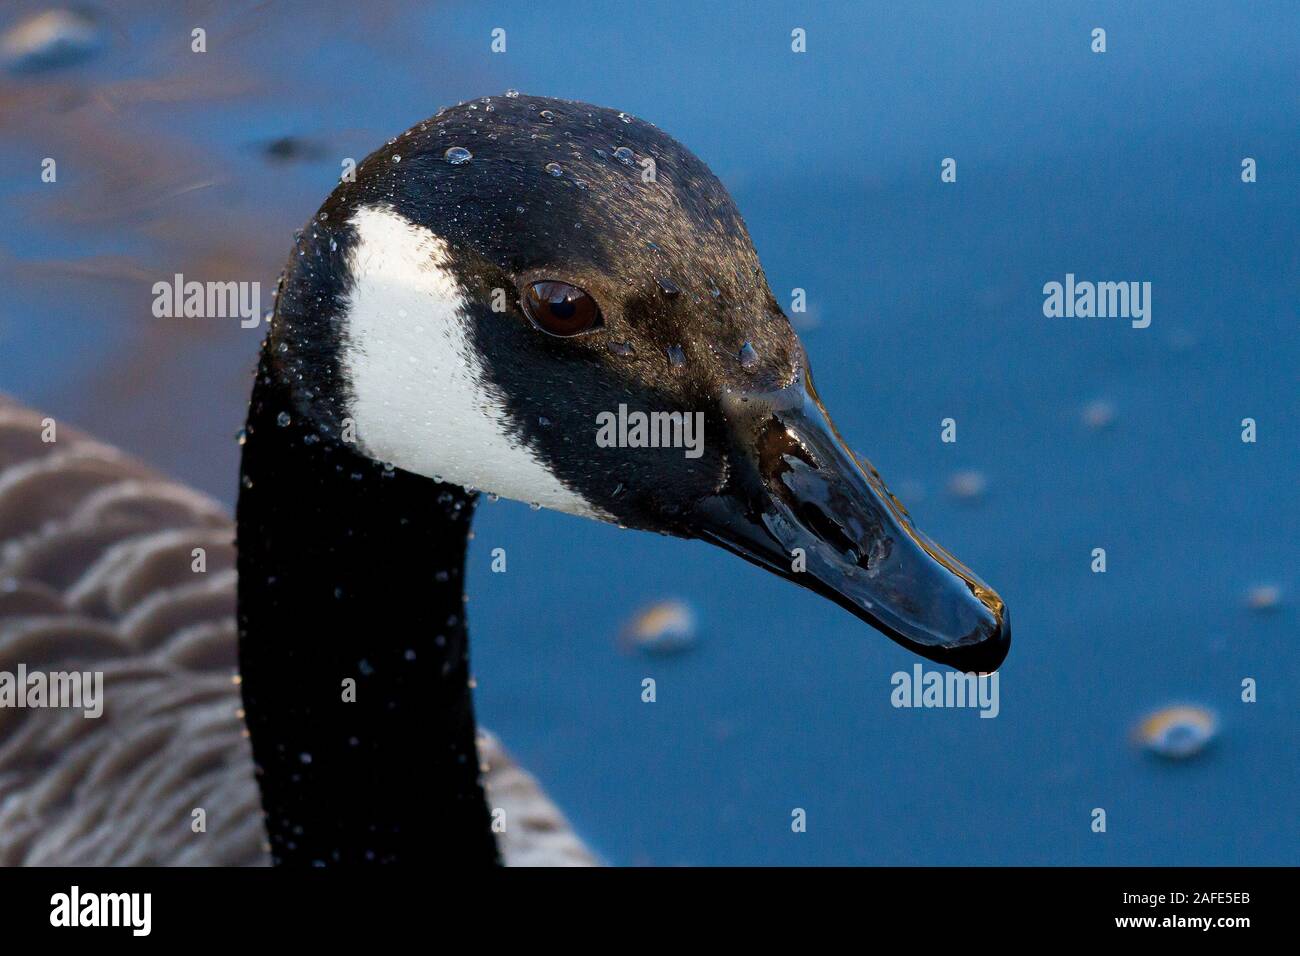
(924, 303)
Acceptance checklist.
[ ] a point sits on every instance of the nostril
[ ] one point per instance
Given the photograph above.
(828, 529)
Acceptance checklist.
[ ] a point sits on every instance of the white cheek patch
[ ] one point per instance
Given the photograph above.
(421, 399)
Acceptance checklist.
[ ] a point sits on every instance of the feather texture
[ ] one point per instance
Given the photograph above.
(97, 574)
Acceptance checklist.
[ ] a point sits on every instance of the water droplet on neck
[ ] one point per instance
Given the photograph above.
(554, 169)
(283, 419)
(676, 356)
(241, 436)
(669, 287)
(543, 421)
(396, 158)
(748, 357)
(621, 348)
(624, 117)
(457, 155)
(512, 94)
(625, 156)
(547, 115)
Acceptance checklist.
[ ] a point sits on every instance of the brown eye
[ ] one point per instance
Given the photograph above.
(560, 308)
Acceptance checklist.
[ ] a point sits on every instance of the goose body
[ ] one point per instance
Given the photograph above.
(97, 574)
(458, 316)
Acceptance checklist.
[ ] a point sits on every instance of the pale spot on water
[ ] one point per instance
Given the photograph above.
(1178, 732)
(968, 485)
(665, 627)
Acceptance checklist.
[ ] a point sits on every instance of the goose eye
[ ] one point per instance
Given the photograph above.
(560, 309)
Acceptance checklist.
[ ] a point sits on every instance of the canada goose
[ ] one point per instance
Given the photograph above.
(492, 286)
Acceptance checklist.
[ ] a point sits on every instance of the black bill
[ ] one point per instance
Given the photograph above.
(799, 503)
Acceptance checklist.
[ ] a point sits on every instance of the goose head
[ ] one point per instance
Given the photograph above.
(532, 297)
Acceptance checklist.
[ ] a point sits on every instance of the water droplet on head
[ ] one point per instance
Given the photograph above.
(396, 158)
(748, 357)
(621, 348)
(676, 356)
(457, 155)
(554, 169)
(543, 421)
(547, 115)
(241, 436)
(668, 287)
(624, 117)
(283, 419)
(512, 94)
(535, 506)
(625, 156)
